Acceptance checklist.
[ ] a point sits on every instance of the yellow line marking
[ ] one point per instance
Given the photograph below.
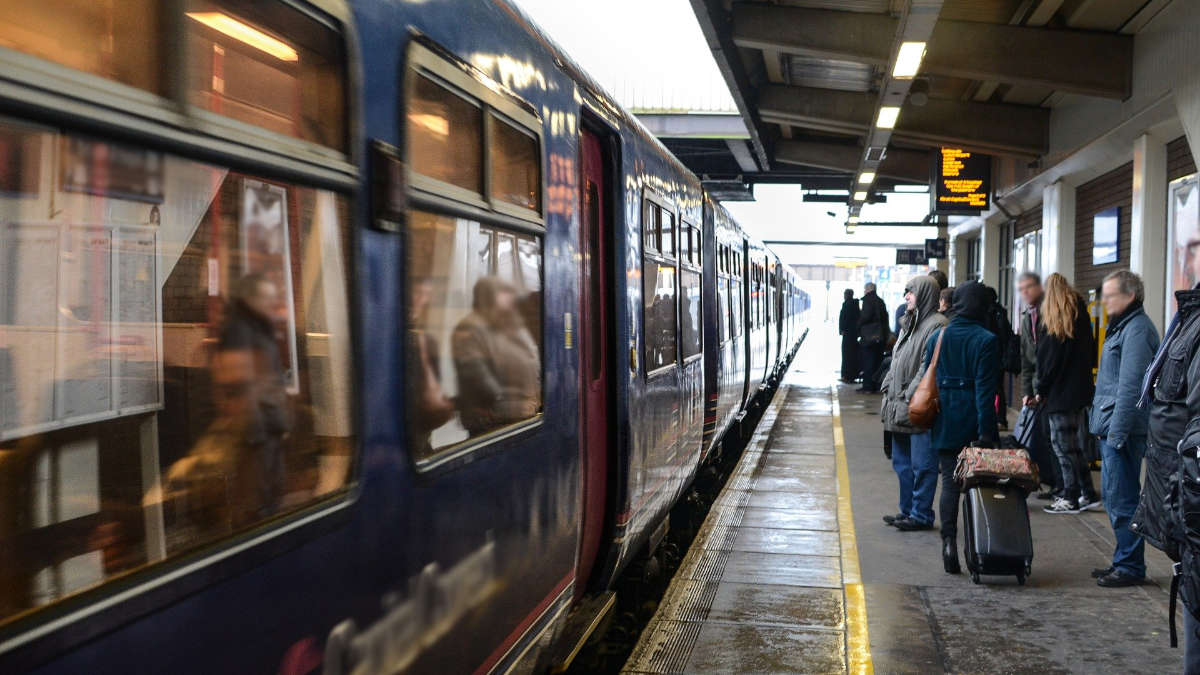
(858, 644)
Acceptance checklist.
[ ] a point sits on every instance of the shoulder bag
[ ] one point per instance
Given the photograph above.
(923, 407)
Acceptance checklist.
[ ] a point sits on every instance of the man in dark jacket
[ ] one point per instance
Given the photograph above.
(966, 378)
(1166, 514)
(873, 335)
(1029, 285)
(848, 329)
(1120, 426)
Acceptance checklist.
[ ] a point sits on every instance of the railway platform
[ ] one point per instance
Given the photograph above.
(794, 571)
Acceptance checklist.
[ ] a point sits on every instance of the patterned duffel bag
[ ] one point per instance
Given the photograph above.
(996, 466)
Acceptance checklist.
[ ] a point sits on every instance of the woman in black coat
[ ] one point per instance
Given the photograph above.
(848, 329)
(1066, 353)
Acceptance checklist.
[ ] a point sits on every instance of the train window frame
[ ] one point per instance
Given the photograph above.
(424, 58)
(658, 205)
(690, 264)
(89, 105)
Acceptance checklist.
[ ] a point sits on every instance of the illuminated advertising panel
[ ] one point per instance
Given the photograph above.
(962, 182)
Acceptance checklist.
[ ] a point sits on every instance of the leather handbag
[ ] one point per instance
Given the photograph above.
(923, 407)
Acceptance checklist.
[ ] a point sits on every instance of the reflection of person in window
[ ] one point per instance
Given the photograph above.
(497, 361)
(431, 408)
(234, 475)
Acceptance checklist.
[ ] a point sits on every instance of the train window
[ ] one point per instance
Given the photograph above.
(685, 243)
(175, 357)
(445, 134)
(690, 329)
(515, 163)
(650, 226)
(735, 308)
(474, 331)
(93, 37)
(659, 298)
(722, 309)
(667, 228)
(268, 65)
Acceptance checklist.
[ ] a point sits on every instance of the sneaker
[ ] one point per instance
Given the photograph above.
(1119, 579)
(1086, 504)
(891, 520)
(1098, 572)
(1061, 505)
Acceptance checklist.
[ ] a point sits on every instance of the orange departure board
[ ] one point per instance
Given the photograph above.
(962, 181)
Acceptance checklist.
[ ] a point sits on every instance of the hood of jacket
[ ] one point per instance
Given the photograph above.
(972, 301)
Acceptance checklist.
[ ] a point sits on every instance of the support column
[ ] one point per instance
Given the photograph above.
(1148, 234)
(1058, 230)
(989, 255)
(958, 260)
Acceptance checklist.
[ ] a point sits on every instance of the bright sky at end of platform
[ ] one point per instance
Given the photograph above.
(649, 54)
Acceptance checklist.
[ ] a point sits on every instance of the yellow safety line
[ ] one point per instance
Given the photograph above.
(858, 644)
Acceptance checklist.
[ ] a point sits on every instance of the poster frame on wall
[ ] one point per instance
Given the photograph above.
(247, 225)
(1177, 275)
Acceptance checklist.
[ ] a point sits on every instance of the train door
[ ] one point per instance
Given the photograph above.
(594, 345)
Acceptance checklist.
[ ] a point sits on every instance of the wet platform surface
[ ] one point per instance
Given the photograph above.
(781, 573)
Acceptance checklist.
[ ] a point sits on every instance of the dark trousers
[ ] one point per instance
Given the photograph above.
(1067, 432)
(872, 358)
(1191, 644)
(948, 503)
(850, 367)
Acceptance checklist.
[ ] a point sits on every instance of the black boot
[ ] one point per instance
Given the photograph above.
(950, 556)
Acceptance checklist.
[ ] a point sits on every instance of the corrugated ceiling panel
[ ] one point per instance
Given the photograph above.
(984, 11)
(804, 71)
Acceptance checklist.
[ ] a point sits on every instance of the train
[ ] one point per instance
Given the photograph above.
(346, 337)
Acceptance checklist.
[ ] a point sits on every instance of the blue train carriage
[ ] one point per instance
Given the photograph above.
(216, 238)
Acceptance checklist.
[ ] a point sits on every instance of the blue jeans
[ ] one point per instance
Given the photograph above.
(1120, 484)
(916, 468)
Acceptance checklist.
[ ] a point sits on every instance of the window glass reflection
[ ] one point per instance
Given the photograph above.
(444, 135)
(689, 300)
(515, 162)
(658, 296)
(474, 332)
(174, 357)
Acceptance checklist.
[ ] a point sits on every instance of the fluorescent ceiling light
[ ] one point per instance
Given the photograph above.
(911, 188)
(908, 61)
(850, 229)
(866, 177)
(223, 23)
(887, 116)
(852, 219)
(860, 196)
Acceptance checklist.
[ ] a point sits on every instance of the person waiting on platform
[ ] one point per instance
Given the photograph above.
(1167, 516)
(966, 379)
(848, 329)
(1118, 424)
(873, 335)
(946, 302)
(940, 277)
(1066, 353)
(913, 458)
(1029, 285)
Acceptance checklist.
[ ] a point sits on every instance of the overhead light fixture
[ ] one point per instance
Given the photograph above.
(245, 33)
(866, 177)
(888, 115)
(852, 220)
(908, 61)
(850, 229)
(860, 196)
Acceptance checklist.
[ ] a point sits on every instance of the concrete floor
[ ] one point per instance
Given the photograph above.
(772, 582)
(922, 620)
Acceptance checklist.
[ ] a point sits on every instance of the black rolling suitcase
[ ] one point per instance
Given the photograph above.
(996, 528)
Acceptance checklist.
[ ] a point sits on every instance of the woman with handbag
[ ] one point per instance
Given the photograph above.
(958, 385)
(913, 458)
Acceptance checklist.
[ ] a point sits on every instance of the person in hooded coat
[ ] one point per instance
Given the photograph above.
(913, 458)
(966, 379)
(848, 329)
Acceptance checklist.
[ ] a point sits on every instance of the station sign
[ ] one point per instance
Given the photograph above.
(911, 256)
(936, 248)
(962, 182)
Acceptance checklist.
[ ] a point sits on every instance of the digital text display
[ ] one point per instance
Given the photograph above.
(962, 181)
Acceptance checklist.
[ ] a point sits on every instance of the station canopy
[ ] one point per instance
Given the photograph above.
(859, 95)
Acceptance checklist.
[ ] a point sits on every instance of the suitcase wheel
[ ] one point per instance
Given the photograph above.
(975, 577)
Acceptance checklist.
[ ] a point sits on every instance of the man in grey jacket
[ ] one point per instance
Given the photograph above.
(1129, 345)
(1029, 285)
(913, 458)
